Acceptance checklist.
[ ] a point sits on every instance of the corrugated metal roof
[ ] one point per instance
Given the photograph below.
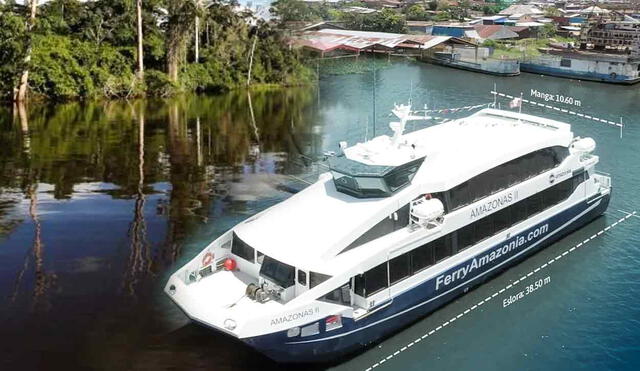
(329, 39)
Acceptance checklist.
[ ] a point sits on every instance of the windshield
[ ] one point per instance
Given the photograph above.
(369, 181)
(360, 186)
(280, 273)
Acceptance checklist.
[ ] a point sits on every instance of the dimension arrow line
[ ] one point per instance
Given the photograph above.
(563, 110)
(481, 302)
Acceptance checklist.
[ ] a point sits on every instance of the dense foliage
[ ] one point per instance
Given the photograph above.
(386, 20)
(88, 49)
(12, 51)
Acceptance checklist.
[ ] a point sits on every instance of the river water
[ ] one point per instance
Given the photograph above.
(100, 202)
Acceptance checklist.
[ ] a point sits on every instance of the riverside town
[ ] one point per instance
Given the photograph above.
(319, 184)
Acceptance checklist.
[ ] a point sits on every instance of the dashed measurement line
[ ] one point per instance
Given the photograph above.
(488, 298)
(618, 124)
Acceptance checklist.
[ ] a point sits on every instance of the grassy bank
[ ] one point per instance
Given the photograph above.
(522, 49)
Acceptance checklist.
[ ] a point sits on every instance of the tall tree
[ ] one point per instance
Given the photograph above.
(21, 94)
(140, 39)
(180, 23)
(197, 32)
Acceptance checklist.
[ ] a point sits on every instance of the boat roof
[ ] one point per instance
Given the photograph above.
(312, 227)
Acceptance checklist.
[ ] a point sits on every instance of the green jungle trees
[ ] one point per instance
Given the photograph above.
(128, 48)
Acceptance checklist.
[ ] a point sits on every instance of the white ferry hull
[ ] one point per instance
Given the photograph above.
(423, 299)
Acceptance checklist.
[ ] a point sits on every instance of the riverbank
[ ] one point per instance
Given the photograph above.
(95, 50)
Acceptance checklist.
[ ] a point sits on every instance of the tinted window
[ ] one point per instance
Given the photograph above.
(341, 295)
(465, 237)
(402, 176)
(506, 175)
(278, 272)
(399, 268)
(518, 212)
(534, 204)
(317, 278)
(403, 217)
(484, 228)
(421, 257)
(241, 249)
(501, 219)
(384, 227)
(358, 285)
(372, 281)
(442, 248)
(302, 277)
(460, 196)
(376, 279)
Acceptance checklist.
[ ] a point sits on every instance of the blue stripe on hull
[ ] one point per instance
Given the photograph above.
(419, 301)
(573, 74)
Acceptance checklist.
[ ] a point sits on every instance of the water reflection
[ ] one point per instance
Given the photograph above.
(98, 201)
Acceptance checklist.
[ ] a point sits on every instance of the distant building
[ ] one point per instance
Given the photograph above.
(593, 10)
(383, 3)
(358, 10)
(492, 32)
(494, 19)
(521, 10)
(420, 27)
(455, 30)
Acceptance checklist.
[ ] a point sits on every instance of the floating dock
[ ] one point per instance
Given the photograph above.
(506, 67)
(585, 65)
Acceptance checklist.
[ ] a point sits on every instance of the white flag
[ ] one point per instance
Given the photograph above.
(516, 102)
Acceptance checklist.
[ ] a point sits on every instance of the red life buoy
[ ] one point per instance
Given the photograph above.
(207, 259)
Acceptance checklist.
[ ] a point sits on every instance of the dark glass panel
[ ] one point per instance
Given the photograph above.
(483, 228)
(242, 250)
(534, 204)
(422, 257)
(399, 268)
(302, 277)
(358, 285)
(519, 212)
(278, 272)
(502, 219)
(442, 248)
(376, 279)
(465, 237)
(460, 196)
(317, 278)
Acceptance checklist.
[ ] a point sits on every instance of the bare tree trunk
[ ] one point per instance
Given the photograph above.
(208, 40)
(21, 95)
(253, 48)
(140, 39)
(173, 64)
(178, 33)
(197, 39)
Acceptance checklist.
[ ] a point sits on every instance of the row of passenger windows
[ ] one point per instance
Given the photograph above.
(506, 175)
(388, 273)
(481, 186)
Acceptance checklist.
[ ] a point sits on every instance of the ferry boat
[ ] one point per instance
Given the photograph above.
(398, 227)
